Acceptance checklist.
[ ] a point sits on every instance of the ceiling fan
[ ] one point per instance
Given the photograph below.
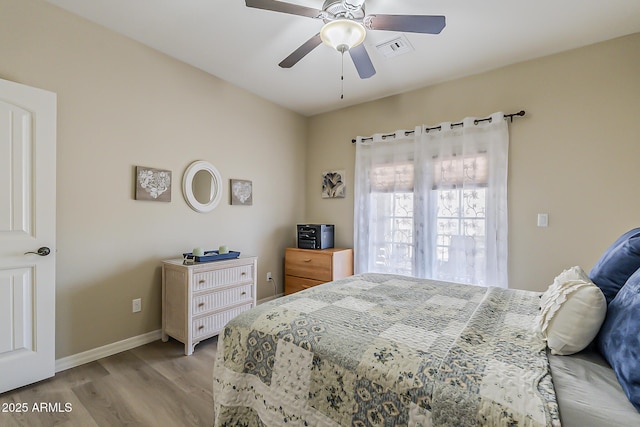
(345, 28)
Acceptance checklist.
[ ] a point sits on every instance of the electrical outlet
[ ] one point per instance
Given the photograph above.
(269, 277)
(543, 220)
(136, 305)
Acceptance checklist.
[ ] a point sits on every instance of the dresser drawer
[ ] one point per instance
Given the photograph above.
(308, 264)
(214, 323)
(220, 299)
(223, 277)
(199, 299)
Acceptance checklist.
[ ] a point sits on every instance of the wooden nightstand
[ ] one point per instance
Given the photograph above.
(304, 268)
(199, 299)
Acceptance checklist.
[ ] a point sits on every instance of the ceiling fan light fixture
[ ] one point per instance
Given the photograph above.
(342, 34)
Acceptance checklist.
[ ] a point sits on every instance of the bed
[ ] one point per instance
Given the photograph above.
(588, 392)
(389, 350)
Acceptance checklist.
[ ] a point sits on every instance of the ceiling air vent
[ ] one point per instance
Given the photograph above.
(397, 46)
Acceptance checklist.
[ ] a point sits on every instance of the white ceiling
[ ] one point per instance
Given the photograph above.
(244, 46)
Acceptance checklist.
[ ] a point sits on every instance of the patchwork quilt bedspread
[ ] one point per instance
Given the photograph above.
(386, 350)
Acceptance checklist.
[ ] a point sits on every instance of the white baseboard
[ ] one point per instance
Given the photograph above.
(106, 350)
(117, 347)
(272, 297)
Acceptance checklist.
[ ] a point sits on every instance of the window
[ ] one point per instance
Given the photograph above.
(460, 195)
(460, 241)
(392, 201)
(394, 234)
(460, 220)
(433, 204)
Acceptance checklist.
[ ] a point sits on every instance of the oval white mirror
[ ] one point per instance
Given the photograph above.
(202, 186)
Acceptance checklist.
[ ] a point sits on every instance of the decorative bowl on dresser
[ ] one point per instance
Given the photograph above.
(304, 268)
(199, 299)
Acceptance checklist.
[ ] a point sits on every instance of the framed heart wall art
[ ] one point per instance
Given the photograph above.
(153, 184)
(241, 192)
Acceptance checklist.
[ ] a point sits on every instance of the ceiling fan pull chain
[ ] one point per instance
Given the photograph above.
(342, 77)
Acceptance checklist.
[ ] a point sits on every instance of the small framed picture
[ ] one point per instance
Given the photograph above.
(333, 184)
(153, 184)
(241, 192)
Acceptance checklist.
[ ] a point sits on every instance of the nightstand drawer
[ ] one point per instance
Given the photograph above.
(308, 264)
(305, 268)
(215, 300)
(214, 323)
(294, 284)
(222, 277)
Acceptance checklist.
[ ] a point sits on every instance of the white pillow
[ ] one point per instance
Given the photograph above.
(573, 273)
(571, 312)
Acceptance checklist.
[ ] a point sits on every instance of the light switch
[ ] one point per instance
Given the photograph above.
(543, 220)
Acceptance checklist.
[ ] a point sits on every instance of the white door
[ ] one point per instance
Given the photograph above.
(27, 224)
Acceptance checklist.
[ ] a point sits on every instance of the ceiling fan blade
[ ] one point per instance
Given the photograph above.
(301, 52)
(429, 24)
(283, 7)
(362, 61)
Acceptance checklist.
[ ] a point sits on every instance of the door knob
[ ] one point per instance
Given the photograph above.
(43, 251)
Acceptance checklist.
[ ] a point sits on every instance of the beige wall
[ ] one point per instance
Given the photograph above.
(574, 155)
(121, 104)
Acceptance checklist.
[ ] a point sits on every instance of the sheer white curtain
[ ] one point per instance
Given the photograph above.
(432, 203)
(383, 212)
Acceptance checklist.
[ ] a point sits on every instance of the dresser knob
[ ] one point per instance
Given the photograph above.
(243, 273)
(202, 282)
(307, 260)
(243, 293)
(201, 327)
(201, 304)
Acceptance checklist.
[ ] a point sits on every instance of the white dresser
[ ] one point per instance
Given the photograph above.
(199, 299)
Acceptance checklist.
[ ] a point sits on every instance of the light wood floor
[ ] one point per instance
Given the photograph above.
(152, 385)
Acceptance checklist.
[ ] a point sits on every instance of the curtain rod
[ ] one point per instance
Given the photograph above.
(475, 122)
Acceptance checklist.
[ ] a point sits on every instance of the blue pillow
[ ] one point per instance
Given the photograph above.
(619, 338)
(617, 263)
